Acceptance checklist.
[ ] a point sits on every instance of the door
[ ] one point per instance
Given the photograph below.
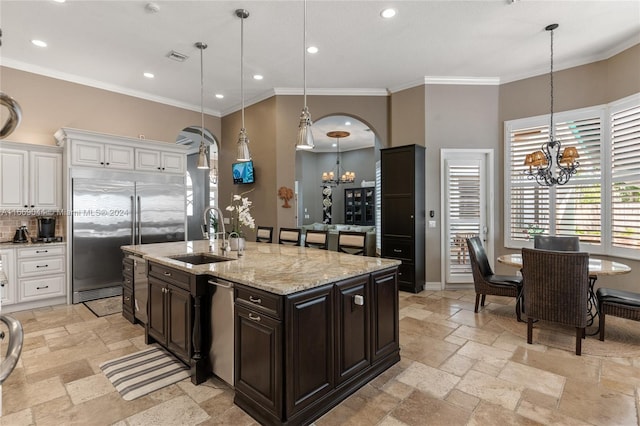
(157, 311)
(102, 223)
(467, 209)
(13, 179)
(161, 212)
(45, 180)
(179, 322)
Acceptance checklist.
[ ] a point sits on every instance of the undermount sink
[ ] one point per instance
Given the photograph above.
(200, 259)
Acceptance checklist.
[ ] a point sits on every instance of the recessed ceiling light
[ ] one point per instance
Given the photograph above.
(219, 95)
(312, 49)
(148, 75)
(334, 145)
(388, 13)
(347, 123)
(258, 77)
(39, 43)
(59, 1)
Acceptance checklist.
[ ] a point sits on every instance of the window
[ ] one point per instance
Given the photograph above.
(601, 203)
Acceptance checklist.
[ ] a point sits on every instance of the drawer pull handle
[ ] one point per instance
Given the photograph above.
(42, 251)
(128, 281)
(397, 250)
(254, 317)
(40, 288)
(126, 299)
(255, 300)
(167, 274)
(42, 266)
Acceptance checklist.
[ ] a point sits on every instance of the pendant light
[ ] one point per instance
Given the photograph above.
(243, 153)
(305, 136)
(551, 165)
(203, 161)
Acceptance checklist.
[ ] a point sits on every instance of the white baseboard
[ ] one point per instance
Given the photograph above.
(433, 286)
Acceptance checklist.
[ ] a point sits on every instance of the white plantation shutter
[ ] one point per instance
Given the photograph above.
(625, 173)
(601, 202)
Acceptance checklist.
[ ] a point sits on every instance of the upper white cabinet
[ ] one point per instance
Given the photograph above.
(154, 160)
(95, 154)
(117, 152)
(30, 177)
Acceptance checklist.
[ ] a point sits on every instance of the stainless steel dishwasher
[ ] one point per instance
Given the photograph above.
(222, 330)
(140, 287)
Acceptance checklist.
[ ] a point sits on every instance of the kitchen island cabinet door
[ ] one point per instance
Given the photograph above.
(310, 347)
(179, 322)
(258, 359)
(353, 353)
(156, 325)
(385, 315)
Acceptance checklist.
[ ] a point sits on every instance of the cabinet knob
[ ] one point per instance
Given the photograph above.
(256, 300)
(102, 163)
(126, 299)
(108, 164)
(254, 317)
(358, 299)
(159, 168)
(167, 274)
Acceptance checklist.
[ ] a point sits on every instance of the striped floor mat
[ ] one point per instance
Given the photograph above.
(140, 373)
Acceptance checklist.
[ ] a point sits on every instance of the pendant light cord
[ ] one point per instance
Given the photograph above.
(304, 55)
(551, 132)
(242, 65)
(202, 94)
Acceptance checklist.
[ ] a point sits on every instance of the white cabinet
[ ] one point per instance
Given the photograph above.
(95, 154)
(8, 290)
(30, 179)
(40, 272)
(155, 160)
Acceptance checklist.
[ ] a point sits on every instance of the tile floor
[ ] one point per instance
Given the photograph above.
(457, 368)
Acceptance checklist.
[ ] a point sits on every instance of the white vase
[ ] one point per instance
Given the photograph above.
(236, 244)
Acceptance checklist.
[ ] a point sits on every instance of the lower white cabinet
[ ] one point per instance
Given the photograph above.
(40, 272)
(8, 290)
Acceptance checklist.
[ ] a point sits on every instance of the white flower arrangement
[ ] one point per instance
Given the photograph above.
(240, 209)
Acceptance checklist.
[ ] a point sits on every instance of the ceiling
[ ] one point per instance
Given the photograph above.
(109, 44)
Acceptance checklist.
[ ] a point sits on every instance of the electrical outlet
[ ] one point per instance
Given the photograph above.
(432, 224)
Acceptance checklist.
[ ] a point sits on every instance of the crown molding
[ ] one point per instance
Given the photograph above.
(287, 91)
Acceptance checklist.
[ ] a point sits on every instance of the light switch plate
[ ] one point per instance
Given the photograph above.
(432, 224)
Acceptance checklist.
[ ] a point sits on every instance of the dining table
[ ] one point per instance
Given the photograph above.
(597, 267)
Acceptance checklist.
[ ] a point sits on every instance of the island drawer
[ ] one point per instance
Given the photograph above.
(127, 266)
(170, 275)
(258, 300)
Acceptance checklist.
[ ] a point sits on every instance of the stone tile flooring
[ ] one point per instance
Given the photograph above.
(457, 368)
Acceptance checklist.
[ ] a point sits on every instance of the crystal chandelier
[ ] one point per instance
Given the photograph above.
(336, 178)
(551, 165)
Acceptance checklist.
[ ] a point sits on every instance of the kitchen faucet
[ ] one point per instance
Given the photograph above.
(205, 227)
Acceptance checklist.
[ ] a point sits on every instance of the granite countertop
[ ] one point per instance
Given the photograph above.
(274, 268)
(11, 244)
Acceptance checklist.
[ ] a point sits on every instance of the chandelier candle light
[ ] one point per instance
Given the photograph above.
(548, 166)
(243, 153)
(331, 178)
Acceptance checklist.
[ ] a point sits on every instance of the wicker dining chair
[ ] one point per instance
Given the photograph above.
(486, 282)
(264, 234)
(316, 239)
(289, 236)
(552, 242)
(556, 289)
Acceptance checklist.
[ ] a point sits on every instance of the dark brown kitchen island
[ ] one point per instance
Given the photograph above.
(311, 326)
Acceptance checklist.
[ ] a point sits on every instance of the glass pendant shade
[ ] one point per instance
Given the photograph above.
(305, 136)
(243, 153)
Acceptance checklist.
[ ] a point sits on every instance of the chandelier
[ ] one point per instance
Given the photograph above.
(551, 165)
(336, 178)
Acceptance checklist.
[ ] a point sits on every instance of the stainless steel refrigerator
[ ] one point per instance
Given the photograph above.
(113, 209)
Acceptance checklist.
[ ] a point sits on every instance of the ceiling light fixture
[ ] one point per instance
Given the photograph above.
(148, 75)
(388, 13)
(334, 179)
(258, 77)
(305, 135)
(219, 95)
(312, 49)
(243, 153)
(203, 161)
(544, 160)
(39, 43)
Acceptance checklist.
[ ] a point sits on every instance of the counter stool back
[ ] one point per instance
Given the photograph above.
(264, 234)
(289, 236)
(352, 242)
(316, 239)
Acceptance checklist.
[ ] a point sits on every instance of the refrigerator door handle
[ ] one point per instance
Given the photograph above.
(133, 221)
(138, 220)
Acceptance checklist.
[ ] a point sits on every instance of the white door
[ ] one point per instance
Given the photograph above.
(467, 209)
(45, 180)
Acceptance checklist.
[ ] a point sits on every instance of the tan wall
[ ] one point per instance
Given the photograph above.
(49, 104)
(588, 85)
(408, 117)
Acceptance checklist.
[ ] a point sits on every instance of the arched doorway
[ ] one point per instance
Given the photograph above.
(201, 184)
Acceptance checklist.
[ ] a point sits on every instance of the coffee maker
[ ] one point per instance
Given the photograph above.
(47, 229)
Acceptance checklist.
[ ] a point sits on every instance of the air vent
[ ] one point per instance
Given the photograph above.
(177, 56)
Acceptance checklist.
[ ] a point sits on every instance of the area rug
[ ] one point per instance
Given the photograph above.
(106, 306)
(622, 337)
(143, 372)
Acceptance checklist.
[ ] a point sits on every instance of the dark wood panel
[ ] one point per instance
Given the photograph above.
(258, 358)
(259, 300)
(353, 352)
(179, 322)
(386, 336)
(398, 218)
(156, 310)
(310, 339)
